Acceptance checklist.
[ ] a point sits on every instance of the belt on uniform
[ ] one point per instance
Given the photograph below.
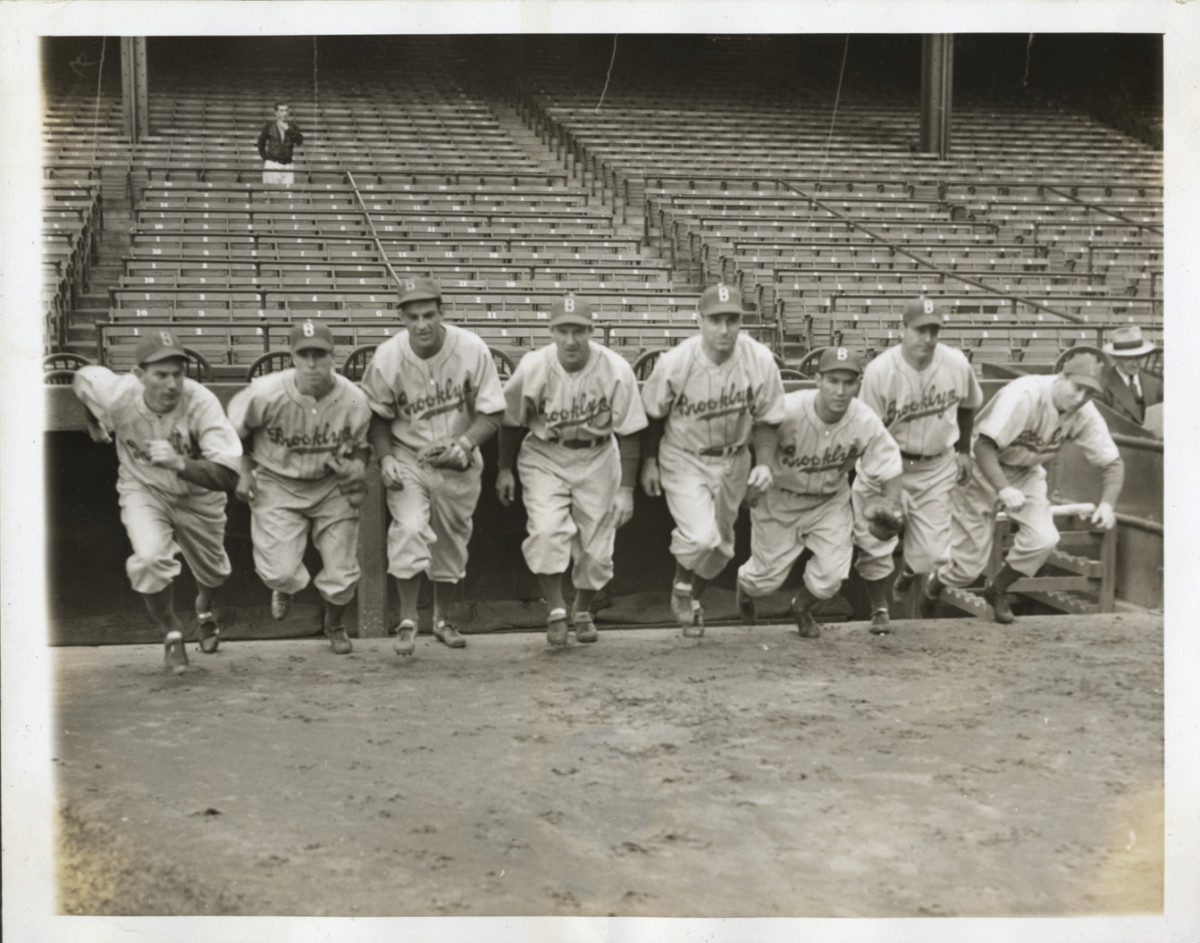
(721, 451)
(913, 457)
(584, 443)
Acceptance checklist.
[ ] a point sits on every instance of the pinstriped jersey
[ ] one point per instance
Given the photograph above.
(710, 405)
(1022, 421)
(437, 398)
(920, 407)
(815, 457)
(559, 406)
(294, 434)
(196, 428)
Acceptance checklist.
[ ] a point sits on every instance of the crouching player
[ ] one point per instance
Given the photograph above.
(824, 432)
(577, 481)
(304, 470)
(178, 456)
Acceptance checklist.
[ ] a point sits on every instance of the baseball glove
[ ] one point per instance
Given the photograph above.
(446, 454)
(885, 520)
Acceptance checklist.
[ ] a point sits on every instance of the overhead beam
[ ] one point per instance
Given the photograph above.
(937, 92)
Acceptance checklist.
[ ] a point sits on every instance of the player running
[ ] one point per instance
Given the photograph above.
(577, 482)
(926, 393)
(303, 469)
(824, 432)
(1024, 425)
(707, 399)
(178, 456)
(436, 396)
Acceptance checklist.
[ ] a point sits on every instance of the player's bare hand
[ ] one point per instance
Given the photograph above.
(1104, 517)
(389, 473)
(965, 465)
(348, 470)
(247, 488)
(163, 454)
(624, 506)
(760, 479)
(1012, 499)
(99, 432)
(651, 478)
(506, 486)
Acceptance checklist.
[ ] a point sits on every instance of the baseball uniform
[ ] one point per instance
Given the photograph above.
(809, 503)
(1027, 429)
(710, 410)
(920, 410)
(294, 435)
(163, 514)
(426, 401)
(569, 464)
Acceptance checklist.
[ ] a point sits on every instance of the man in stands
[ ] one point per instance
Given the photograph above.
(275, 143)
(1128, 390)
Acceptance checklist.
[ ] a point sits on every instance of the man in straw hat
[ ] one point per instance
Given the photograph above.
(1128, 389)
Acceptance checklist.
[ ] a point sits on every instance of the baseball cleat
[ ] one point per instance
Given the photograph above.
(746, 606)
(903, 581)
(281, 605)
(556, 627)
(174, 655)
(998, 600)
(880, 623)
(210, 632)
(406, 638)
(695, 629)
(339, 640)
(681, 603)
(585, 627)
(448, 635)
(931, 589)
(805, 622)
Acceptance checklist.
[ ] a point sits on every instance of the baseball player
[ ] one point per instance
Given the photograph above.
(824, 433)
(303, 469)
(435, 394)
(707, 400)
(926, 394)
(1023, 425)
(178, 456)
(573, 396)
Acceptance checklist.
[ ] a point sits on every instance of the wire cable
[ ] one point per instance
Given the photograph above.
(608, 76)
(96, 113)
(833, 118)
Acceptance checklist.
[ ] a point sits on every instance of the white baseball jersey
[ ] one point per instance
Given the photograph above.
(920, 407)
(196, 427)
(559, 406)
(434, 399)
(1022, 421)
(714, 406)
(295, 434)
(815, 457)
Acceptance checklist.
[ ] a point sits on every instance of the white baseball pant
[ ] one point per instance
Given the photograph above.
(281, 516)
(431, 519)
(782, 525)
(703, 495)
(161, 526)
(973, 526)
(570, 497)
(274, 172)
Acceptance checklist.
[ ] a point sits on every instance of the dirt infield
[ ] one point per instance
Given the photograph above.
(954, 768)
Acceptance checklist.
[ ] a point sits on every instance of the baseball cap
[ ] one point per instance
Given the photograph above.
(159, 344)
(1085, 370)
(419, 289)
(720, 299)
(921, 311)
(311, 335)
(840, 358)
(571, 310)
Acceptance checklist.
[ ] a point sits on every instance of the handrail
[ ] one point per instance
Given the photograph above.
(1104, 209)
(374, 234)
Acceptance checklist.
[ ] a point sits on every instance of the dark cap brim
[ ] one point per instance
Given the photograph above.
(165, 353)
(313, 345)
(418, 296)
(577, 319)
(923, 319)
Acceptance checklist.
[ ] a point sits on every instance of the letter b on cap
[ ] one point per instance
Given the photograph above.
(722, 293)
(308, 329)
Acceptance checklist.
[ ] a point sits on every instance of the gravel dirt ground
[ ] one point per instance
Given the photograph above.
(953, 768)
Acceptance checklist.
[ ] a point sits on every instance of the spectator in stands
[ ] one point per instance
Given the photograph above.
(275, 143)
(1127, 389)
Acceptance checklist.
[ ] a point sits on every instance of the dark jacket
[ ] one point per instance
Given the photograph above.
(1121, 398)
(272, 147)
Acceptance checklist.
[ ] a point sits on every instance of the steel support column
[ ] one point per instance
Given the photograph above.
(135, 102)
(937, 90)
